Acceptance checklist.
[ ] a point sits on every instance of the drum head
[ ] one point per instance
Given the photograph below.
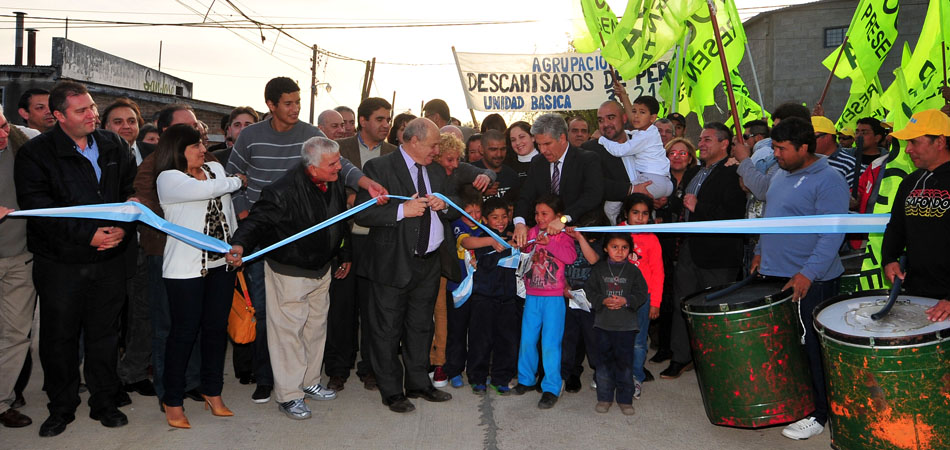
(848, 319)
(756, 293)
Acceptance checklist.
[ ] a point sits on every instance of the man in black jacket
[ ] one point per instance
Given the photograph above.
(297, 276)
(706, 259)
(78, 264)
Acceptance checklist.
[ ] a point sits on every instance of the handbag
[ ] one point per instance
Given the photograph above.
(242, 325)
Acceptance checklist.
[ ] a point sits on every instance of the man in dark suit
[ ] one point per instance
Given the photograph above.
(402, 261)
(560, 169)
(706, 259)
(346, 315)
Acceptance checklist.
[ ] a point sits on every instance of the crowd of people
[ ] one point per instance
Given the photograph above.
(413, 294)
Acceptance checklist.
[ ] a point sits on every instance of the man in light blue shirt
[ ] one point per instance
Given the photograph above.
(805, 184)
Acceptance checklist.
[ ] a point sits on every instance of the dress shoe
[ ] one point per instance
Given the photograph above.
(110, 417)
(12, 418)
(647, 375)
(399, 403)
(19, 401)
(194, 395)
(676, 369)
(217, 406)
(336, 383)
(144, 388)
(547, 401)
(573, 384)
(83, 388)
(430, 395)
(55, 424)
(246, 378)
(369, 382)
(520, 389)
(661, 355)
(175, 415)
(122, 399)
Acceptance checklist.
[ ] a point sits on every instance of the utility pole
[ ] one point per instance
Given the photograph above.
(159, 56)
(313, 82)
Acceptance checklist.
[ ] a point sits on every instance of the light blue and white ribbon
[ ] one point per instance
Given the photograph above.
(830, 223)
(131, 212)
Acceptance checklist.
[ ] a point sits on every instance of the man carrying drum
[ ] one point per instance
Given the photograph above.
(919, 220)
(805, 185)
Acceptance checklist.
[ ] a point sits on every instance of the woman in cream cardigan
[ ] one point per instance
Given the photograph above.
(195, 194)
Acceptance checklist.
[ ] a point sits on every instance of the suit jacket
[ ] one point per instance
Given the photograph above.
(350, 149)
(392, 243)
(719, 198)
(582, 184)
(616, 181)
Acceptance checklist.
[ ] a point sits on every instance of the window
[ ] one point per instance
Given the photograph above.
(834, 36)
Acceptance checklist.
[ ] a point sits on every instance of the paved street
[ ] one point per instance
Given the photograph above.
(670, 415)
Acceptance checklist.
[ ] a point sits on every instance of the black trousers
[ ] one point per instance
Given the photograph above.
(197, 304)
(578, 339)
(457, 335)
(404, 315)
(74, 299)
(493, 339)
(347, 322)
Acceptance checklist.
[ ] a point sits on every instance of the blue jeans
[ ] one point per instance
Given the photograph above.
(615, 374)
(640, 343)
(161, 326)
(254, 274)
(543, 318)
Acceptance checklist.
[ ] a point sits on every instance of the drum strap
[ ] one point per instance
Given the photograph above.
(801, 321)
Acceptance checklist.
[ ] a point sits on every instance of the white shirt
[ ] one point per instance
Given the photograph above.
(185, 202)
(643, 152)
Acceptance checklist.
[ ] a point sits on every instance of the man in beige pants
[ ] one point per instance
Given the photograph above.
(297, 276)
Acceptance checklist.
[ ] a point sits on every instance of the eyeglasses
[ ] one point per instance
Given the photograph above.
(677, 153)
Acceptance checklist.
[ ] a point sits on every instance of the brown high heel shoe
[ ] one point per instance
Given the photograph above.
(175, 415)
(221, 410)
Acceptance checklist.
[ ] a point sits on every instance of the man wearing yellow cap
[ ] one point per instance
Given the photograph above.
(920, 219)
(846, 137)
(826, 144)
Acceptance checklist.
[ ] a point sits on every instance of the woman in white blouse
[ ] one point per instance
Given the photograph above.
(195, 194)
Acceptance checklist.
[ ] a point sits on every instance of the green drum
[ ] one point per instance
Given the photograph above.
(888, 380)
(749, 361)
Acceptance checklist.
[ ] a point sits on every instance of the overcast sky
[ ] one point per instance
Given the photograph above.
(231, 67)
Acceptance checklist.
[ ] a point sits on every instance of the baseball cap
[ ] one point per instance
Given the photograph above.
(847, 131)
(931, 121)
(678, 118)
(822, 124)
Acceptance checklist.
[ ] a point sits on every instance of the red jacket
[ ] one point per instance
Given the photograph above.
(647, 255)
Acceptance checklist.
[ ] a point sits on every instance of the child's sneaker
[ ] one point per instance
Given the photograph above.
(439, 379)
(457, 382)
(637, 389)
(602, 407)
(627, 410)
(479, 389)
(502, 389)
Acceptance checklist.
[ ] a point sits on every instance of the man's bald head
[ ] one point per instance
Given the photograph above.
(453, 130)
(331, 124)
(421, 140)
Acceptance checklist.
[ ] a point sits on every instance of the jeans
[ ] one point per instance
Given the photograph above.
(254, 275)
(161, 324)
(615, 374)
(195, 304)
(640, 343)
(817, 293)
(543, 318)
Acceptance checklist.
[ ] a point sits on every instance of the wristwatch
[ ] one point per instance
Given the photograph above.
(565, 219)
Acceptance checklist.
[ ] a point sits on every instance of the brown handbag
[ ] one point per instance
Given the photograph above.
(242, 325)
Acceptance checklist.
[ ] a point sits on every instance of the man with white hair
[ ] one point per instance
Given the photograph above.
(297, 276)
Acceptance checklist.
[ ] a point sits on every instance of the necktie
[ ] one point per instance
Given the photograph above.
(556, 179)
(423, 244)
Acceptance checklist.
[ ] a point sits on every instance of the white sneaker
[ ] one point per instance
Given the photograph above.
(637, 389)
(803, 429)
(318, 392)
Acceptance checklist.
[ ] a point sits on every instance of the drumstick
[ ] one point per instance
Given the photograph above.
(895, 289)
(732, 288)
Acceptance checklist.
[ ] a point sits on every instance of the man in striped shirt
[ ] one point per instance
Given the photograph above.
(826, 138)
(264, 152)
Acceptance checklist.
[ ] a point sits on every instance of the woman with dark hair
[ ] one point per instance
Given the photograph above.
(493, 122)
(195, 194)
(520, 140)
(399, 124)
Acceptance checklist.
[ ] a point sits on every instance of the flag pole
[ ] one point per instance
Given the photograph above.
(831, 75)
(755, 78)
(725, 71)
(680, 50)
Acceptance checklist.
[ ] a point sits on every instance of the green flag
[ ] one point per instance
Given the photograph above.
(601, 22)
(871, 35)
(702, 71)
(647, 30)
(748, 108)
(863, 101)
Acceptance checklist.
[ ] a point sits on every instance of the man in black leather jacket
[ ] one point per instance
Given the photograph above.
(78, 265)
(297, 275)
